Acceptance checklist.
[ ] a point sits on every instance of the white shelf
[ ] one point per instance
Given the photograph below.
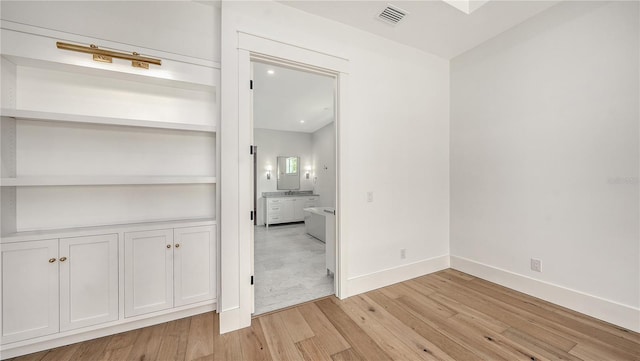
(34, 181)
(76, 118)
(105, 229)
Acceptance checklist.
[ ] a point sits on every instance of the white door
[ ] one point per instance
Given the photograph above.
(148, 271)
(29, 289)
(88, 281)
(194, 266)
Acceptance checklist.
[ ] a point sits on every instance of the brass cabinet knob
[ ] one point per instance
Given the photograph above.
(168, 246)
(63, 259)
(177, 245)
(51, 260)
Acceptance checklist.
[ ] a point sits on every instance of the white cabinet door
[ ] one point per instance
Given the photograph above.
(29, 290)
(148, 271)
(194, 264)
(288, 209)
(88, 281)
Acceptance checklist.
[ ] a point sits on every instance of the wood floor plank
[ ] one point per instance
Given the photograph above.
(174, 340)
(568, 327)
(92, 350)
(296, 325)
(253, 343)
(281, 346)
(310, 350)
(479, 317)
(117, 354)
(148, 343)
(439, 340)
(536, 345)
(201, 334)
(64, 353)
(460, 274)
(397, 339)
(326, 335)
(494, 340)
(347, 355)
(227, 347)
(597, 352)
(359, 341)
(490, 307)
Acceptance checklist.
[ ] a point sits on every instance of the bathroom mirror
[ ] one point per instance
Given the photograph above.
(288, 173)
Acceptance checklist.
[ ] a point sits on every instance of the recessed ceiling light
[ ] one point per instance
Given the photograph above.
(270, 71)
(302, 121)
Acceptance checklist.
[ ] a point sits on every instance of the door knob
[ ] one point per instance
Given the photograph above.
(177, 245)
(51, 260)
(63, 259)
(168, 246)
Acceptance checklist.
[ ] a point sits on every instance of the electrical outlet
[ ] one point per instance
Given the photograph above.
(535, 265)
(369, 196)
(403, 253)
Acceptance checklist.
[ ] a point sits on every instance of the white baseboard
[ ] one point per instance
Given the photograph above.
(606, 310)
(379, 279)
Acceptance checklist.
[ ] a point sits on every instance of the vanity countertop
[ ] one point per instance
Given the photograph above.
(287, 194)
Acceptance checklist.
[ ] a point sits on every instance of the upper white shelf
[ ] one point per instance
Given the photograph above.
(75, 118)
(35, 181)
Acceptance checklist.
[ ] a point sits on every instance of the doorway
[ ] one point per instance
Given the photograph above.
(294, 184)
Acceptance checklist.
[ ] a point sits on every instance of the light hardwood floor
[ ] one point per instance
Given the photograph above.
(447, 315)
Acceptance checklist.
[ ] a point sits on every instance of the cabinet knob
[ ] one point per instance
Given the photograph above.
(168, 246)
(177, 245)
(63, 259)
(51, 260)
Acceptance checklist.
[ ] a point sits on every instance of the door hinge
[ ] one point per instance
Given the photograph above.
(251, 84)
(251, 280)
(252, 215)
(253, 149)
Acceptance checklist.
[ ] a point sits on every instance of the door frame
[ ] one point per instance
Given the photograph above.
(252, 47)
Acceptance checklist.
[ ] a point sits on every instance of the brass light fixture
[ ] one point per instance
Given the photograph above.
(106, 56)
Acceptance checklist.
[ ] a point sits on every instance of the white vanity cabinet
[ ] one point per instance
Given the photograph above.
(58, 285)
(287, 209)
(168, 268)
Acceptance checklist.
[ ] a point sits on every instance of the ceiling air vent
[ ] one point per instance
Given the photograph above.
(392, 15)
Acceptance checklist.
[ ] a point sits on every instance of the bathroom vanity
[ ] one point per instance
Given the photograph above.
(284, 207)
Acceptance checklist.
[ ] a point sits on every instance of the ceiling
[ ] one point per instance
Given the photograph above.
(288, 96)
(431, 25)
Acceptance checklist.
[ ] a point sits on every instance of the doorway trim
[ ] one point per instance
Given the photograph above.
(260, 48)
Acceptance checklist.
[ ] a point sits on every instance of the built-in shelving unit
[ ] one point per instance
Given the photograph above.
(86, 143)
(108, 178)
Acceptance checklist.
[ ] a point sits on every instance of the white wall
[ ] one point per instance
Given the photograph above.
(323, 165)
(274, 143)
(393, 141)
(545, 159)
(178, 27)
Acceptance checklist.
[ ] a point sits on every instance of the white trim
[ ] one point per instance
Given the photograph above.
(606, 310)
(235, 124)
(89, 333)
(230, 320)
(298, 54)
(389, 276)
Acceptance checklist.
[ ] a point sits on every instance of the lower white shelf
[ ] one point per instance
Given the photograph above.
(83, 231)
(35, 181)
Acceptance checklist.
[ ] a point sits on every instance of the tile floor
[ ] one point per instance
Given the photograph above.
(289, 267)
